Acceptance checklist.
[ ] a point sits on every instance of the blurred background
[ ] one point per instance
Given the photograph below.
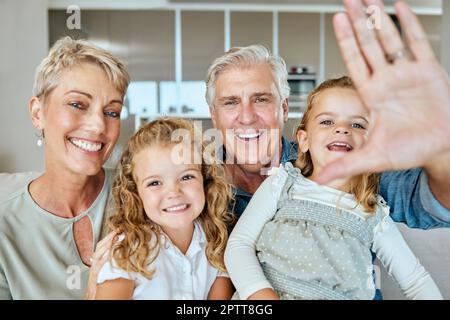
(168, 46)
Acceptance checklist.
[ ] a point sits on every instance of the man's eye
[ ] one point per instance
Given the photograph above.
(153, 183)
(358, 126)
(261, 100)
(230, 103)
(326, 122)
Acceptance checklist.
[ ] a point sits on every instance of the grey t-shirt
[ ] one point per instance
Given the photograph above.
(38, 255)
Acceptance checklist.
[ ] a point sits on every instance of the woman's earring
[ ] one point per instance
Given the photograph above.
(40, 140)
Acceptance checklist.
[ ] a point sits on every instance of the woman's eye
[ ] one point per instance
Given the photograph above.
(113, 114)
(358, 126)
(326, 122)
(153, 183)
(76, 105)
(188, 177)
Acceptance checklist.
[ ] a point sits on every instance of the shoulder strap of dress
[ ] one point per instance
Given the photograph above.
(283, 182)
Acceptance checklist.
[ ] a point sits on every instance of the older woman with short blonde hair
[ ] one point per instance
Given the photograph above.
(49, 229)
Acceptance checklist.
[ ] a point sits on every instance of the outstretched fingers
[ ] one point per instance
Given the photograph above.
(365, 34)
(415, 35)
(348, 45)
(386, 30)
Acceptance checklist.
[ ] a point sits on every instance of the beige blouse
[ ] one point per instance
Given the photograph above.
(38, 255)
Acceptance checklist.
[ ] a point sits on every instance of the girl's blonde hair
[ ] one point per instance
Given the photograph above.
(67, 53)
(364, 186)
(142, 239)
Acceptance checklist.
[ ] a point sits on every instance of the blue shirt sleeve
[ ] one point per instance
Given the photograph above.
(411, 200)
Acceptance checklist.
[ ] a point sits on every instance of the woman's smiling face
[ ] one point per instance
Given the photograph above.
(81, 120)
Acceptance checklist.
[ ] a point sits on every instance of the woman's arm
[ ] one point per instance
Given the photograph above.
(5, 293)
(117, 289)
(402, 264)
(222, 289)
(240, 255)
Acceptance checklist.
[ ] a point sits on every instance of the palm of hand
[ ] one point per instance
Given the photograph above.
(398, 96)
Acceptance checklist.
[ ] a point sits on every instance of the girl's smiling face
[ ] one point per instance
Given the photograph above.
(337, 124)
(172, 193)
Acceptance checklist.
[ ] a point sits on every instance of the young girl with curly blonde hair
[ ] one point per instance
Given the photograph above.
(171, 200)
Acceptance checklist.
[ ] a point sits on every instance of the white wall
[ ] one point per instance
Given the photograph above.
(24, 42)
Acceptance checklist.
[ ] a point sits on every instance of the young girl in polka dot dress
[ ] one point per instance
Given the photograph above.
(301, 240)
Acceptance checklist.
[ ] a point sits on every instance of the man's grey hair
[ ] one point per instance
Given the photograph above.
(247, 56)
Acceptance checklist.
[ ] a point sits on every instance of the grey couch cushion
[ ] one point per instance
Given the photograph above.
(432, 247)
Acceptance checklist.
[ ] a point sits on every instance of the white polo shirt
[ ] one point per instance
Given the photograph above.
(177, 276)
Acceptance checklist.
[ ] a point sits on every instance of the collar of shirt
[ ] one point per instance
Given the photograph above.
(289, 152)
(197, 243)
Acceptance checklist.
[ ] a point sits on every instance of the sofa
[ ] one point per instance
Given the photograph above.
(432, 247)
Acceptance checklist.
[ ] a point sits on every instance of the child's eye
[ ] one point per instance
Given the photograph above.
(358, 126)
(188, 177)
(326, 122)
(154, 183)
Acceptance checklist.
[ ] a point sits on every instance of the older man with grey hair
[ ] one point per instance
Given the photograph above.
(247, 92)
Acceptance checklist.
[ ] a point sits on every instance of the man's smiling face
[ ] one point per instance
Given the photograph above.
(250, 115)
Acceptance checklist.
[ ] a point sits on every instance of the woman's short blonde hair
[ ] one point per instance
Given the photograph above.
(67, 53)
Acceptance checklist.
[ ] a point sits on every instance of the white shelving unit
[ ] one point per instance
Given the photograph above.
(193, 108)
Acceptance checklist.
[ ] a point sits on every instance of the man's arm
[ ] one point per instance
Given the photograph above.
(438, 173)
(411, 201)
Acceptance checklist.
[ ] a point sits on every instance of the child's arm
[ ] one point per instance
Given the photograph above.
(264, 294)
(402, 264)
(240, 255)
(117, 289)
(222, 289)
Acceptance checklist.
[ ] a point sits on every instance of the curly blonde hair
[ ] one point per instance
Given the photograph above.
(137, 251)
(364, 186)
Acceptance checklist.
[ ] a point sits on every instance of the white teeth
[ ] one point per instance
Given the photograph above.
(176, 208)
(338, 144)
(248, 135)
(88, 146)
